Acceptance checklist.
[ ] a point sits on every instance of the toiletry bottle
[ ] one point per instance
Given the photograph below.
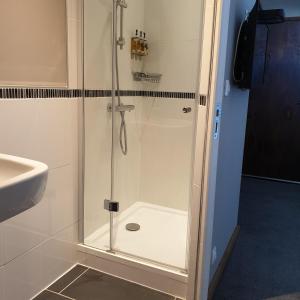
(142, 47)
(134, 43)
(138, 43)
(146, 45)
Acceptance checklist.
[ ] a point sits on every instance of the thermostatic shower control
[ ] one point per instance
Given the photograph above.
(112, 206)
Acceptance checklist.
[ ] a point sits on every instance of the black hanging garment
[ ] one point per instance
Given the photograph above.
(242, 72)
(244, 55)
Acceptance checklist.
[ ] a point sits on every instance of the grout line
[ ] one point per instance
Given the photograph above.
(47, 287)
(73, 280)
(63, 296)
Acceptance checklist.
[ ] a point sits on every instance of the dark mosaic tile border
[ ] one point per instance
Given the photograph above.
(32, 93)
(133, 93)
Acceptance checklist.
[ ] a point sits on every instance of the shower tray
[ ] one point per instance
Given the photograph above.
(162, 236)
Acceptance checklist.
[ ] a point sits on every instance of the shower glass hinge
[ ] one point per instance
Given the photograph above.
(112, 206)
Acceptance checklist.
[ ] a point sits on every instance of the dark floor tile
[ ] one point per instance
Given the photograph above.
(94, 285)
(61, 283)
(47, 295)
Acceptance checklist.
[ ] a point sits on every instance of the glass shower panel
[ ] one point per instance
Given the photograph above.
(97, 121)
(152, 179)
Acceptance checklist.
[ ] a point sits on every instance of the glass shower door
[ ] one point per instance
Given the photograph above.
(152, 182)
(97, 122)
(152, 175)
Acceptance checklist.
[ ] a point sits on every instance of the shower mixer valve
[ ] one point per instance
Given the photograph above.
(121, 108)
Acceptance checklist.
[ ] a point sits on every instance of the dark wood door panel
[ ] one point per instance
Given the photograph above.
(272, 146)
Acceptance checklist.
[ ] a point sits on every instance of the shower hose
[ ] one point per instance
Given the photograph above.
(123, 129)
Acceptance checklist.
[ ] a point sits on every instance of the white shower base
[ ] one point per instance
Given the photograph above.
(162, 237)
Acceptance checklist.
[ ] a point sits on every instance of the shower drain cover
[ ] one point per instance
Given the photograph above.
(133, 227)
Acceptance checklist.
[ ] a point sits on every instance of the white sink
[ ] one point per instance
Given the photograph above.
(22, 184)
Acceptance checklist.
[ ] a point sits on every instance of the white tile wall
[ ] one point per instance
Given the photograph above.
(38, 245)
(97, 162)
(172, 21)
(26, 275)
(177, 62)
(174, 40)
(30, 242)
(167, 140)
(97, 44)
(98, 14)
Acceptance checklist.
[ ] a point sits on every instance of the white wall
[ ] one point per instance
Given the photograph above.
(173, 30)
(98, 43)
(167, 133)
(37, 246)
(232, 134)
(291, 7)
(166, 152)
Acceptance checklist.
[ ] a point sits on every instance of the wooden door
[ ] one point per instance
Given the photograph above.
(272, 147)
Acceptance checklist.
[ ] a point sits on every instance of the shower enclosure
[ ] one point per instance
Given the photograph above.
(141, 65)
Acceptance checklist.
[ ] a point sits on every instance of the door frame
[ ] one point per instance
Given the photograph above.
(217, 13)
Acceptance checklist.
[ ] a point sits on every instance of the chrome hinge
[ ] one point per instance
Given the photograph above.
(112, 206)
(217, 121)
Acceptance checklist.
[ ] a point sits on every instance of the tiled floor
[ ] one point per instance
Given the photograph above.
(82, 283)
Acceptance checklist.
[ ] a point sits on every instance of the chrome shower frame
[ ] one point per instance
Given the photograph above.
(113, 104)
(119, 107)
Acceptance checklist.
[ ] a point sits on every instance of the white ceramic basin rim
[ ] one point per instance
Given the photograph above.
(22, 184)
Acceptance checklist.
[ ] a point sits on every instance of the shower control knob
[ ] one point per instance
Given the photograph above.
(187, 110)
